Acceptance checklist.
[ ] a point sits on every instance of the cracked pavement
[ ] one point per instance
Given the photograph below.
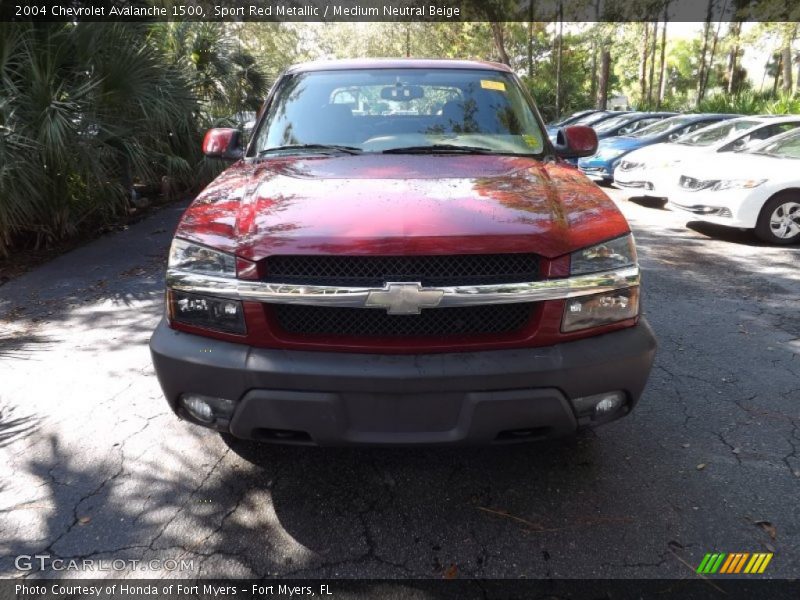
(96, 466)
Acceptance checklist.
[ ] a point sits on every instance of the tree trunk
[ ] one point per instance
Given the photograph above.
(643, 70)
(559, 57)
(733, 56)
(711, 58)
(700, 90)
(500, 43)
(530, 45)
(778, 69)
(797, 79)
(662, 80)
(605, 69)
(652, 64)
(593, 93)
(787, 68)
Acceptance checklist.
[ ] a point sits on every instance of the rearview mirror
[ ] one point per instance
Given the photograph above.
(224, 143)
(576, 141)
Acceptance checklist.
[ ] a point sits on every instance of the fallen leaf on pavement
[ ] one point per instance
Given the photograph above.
(769, 528)
(701, 466)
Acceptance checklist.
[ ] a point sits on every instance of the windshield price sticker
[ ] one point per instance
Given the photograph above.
(488, 84)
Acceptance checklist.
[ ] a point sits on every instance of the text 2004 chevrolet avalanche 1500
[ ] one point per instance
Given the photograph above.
(401, 256)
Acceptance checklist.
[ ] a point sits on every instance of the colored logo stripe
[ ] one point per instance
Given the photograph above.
(758, 563)
(711, 563)
(734, 563)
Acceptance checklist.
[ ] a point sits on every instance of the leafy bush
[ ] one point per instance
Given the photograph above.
(88, 109)
(85, 110)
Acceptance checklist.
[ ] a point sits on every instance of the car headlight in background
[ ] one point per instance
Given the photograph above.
(584, 312)
(730, 184)
(613, 254)
(716, 185)
(629, 165)
(195, 258)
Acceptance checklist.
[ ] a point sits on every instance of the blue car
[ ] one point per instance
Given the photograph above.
(624, 124)
(600, 167)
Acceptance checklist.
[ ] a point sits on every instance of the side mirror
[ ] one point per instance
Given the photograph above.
(224, 143)
(673, 136)
(576, 141)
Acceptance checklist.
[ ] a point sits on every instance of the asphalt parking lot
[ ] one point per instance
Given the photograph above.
(95, 466)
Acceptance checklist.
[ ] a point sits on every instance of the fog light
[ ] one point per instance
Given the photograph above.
(608, 404)
(207, 409)
(599, 405)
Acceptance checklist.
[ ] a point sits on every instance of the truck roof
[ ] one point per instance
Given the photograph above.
(395, 63)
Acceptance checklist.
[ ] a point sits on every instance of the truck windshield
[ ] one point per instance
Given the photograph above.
(396, 110)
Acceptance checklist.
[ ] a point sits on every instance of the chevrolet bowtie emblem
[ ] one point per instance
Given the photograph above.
(403, 298)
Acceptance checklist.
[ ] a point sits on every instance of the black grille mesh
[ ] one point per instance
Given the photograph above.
(371, 322)
(372, 271)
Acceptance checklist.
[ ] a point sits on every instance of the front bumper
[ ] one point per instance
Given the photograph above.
(733, 208)
(331, 398)
(598, 169)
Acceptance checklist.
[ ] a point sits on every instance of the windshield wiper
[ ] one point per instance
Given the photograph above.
(319, 148)
(440, 149)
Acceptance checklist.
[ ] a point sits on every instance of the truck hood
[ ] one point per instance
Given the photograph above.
(400, 204)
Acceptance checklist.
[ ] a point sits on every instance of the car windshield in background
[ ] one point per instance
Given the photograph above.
(662, 126)
(613, 123)
(397, 110)
(716, 133)
(787, 146)
(591, 119)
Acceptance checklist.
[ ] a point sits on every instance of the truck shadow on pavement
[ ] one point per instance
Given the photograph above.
(292, 511)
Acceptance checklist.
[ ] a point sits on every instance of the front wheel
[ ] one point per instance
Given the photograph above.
(779, 221)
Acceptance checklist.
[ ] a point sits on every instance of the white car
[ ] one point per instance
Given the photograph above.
(653, 171)
(755, 189)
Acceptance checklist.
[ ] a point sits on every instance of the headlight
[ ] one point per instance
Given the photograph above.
(627, 165)
(208, 312)
(613, 254)
(220, 314)
(188, 256)
(585, 312)
(729, 184)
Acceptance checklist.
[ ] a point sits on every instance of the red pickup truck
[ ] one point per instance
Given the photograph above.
(401, 256)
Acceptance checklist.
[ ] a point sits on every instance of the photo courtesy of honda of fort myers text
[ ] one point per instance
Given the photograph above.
(399, 299)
